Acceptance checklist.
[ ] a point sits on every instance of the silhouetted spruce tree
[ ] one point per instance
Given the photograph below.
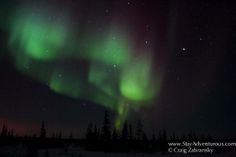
(11, 133)
(89, 132)
(154, 145)
(162, 140)
(115, 135)
(4, 131)
(164, 136)
(98, 134)
(42, 130)
(125, 132)
(131, 132)
(184, 137)
(161, 135)
(144, 136)
(203, 138)
(153, 137)
(209, 138)
(190, 136)
(195, 137)
(173, 137)
(106, 128)
(139, 130)
(95, 133)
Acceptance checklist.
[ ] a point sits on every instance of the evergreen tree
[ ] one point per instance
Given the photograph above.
(12, 133)
(4, 131)
(98, 134)
(164, 136)
(139, 130)
(89, 132)
(131, 132)
(173, 137)
(190, 136)
(162, 140)
(95, 133)
(144, 136)
(124, 134)
(203, 137)
(42, 130)
(106, 128)
(115, 135)
(153, 137)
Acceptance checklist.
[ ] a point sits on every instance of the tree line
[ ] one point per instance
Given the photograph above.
(105, 138)
(106, 132)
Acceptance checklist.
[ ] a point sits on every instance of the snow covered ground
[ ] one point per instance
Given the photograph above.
(21, 151)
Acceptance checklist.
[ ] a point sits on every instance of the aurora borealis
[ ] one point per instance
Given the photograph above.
(166, 62)
(41, 37)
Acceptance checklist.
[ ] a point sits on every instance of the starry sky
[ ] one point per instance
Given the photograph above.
(168, 63)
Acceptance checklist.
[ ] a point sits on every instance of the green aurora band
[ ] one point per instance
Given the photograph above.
(103, 69)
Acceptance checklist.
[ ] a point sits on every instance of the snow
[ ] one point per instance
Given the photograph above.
(22, 151)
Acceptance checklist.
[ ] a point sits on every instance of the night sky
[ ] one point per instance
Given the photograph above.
(168, 63)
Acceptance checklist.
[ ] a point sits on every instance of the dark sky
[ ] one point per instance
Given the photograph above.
(193, 45)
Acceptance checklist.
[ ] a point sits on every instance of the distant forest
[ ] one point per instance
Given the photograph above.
(130, 138)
